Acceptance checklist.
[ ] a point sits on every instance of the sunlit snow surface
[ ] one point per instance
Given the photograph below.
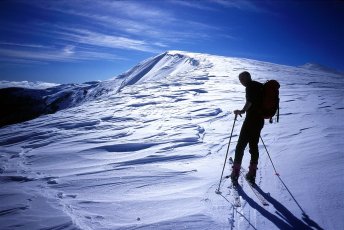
(149, 153)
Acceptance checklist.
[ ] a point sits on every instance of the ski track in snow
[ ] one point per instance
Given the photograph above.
(148, 155)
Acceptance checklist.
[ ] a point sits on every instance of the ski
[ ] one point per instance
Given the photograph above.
(234, 190)
(252, 186)
(235, 195)
(258, 195)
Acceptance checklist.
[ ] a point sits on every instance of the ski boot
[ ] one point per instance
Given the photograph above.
(235, 173)
(251, 175)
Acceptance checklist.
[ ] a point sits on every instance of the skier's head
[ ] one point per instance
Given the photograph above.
(245, 77)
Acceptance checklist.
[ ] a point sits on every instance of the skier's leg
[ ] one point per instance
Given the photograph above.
(242, 143)
(253, 141)
(239, 150)
(239, 153)
(254, 150)
(252, 169)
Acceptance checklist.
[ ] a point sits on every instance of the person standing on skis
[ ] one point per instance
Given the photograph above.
(251, 128)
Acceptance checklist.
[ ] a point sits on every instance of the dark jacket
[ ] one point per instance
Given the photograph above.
(254, 94)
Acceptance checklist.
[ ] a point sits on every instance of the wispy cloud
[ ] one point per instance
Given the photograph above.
(124, 15)
(136, 9)
(24, 54)
(208, 5)
(64, 54)
(69, 50)
(137, 19)
(193, 4)
(240, 4)
(23, 45)
(104, 40)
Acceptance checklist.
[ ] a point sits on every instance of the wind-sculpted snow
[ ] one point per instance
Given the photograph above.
(149, 156)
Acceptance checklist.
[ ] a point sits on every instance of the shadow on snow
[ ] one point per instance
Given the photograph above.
(284, 219)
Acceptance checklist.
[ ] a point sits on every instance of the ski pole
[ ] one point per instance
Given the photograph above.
(224, 164)
(277, 174)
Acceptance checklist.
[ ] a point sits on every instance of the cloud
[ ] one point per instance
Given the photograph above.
(122, 17)
(69, 50)
(240, 4)
(23, 45)
(193, 4)
(137, 10)
(88, 37)
(208, 5)
(40, 56)
(131, 18)
(25, 54)
(128, 13)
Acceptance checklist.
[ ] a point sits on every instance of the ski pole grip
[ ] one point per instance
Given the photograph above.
(236, 116)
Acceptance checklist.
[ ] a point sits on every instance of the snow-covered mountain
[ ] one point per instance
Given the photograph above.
(145, 150)
(26, 100)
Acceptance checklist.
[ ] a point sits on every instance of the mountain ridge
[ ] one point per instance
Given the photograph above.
(59, 97)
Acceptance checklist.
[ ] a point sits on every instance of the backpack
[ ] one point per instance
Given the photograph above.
(270, 102)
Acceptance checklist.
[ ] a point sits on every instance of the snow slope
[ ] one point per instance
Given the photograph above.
(148, 150)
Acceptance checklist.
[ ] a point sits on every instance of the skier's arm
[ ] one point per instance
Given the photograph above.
(246, 107)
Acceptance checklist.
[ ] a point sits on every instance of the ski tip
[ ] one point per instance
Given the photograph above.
(218, 192)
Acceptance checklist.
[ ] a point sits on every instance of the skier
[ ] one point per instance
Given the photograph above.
(251, 128)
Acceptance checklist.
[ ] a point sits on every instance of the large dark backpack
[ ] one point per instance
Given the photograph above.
(270, 103)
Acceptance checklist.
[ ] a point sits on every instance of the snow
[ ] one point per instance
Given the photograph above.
(146, 151)
(318, 67)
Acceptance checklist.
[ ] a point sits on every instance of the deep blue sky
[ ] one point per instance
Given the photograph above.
(82, 40)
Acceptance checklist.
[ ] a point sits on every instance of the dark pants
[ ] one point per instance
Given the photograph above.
(249, 134)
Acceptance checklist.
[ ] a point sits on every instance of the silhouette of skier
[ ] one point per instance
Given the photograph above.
(251, 128)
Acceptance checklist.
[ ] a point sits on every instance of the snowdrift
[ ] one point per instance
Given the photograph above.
(145, 151)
